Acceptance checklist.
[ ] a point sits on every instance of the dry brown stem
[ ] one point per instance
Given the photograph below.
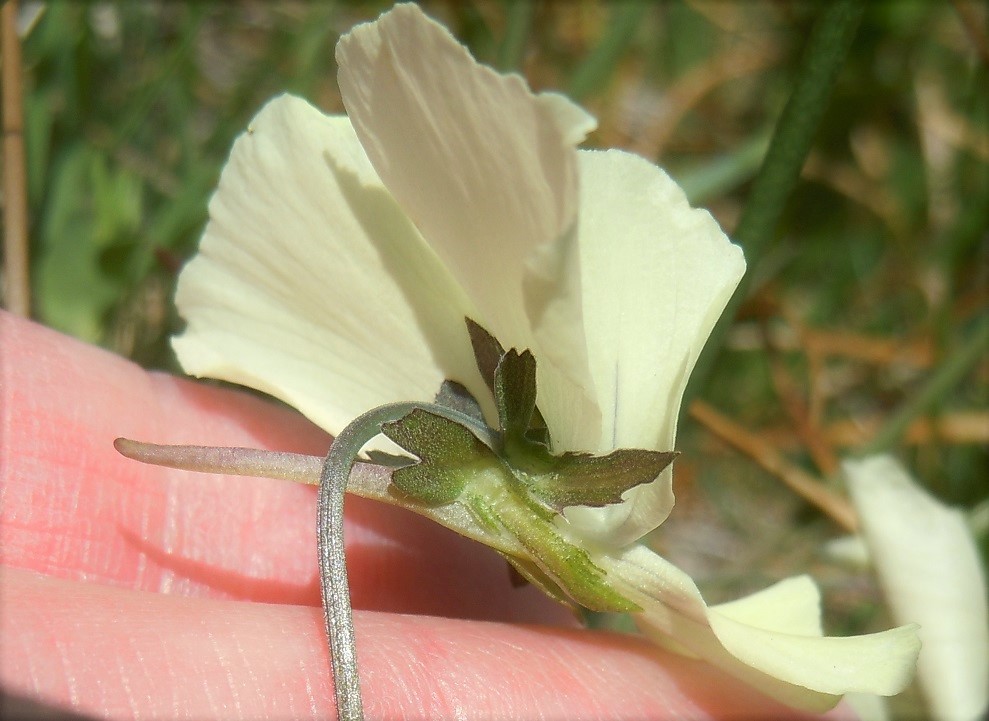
(958, 428)
(764, 454)
(804, 421)
(17, 289)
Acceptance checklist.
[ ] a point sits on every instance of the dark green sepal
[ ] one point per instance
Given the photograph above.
(456, 396)
(449, 456)
(488, 354)
(487, 351)
(578, 479)
(515, 395)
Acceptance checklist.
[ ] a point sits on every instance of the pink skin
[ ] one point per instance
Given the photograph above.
(132, 590)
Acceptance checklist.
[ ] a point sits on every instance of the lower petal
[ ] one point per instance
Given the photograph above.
(771, 639)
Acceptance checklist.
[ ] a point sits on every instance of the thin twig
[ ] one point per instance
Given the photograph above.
(955, 428)
(763, 453)
(17, 287)
(826, 343)
(797, 408)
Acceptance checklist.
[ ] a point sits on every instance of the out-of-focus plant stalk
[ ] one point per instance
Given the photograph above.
(518, 22)
(16, 285)
(593, 73)
(827, 48)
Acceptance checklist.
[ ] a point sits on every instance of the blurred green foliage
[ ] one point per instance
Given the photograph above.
(131, 109)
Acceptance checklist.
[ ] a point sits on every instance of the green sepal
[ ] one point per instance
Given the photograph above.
(488, 354)
(456, 396)
(580, 479)
(487, 351)
(515, 395)
(449, 456)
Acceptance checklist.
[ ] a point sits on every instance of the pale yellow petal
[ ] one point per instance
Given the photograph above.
(655, 277)
(792, 606)
(487, 171)
(311, 284)
(770, 640)
(929, 568)
(878, 663)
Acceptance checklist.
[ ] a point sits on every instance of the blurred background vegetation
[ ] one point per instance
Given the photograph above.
(875, 282)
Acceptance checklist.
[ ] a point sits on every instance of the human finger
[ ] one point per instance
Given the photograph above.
(74, 508)
(168, 656)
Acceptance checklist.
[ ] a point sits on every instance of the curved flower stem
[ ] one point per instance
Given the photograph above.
(827, 47)
(333, 584)
(333, 476)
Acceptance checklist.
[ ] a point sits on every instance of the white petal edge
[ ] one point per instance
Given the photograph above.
(310, 283)
(485, 168)
(655, 277)
(930, 573)
(773, 648)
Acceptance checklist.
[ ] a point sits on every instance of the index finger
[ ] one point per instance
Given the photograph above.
(76, 509)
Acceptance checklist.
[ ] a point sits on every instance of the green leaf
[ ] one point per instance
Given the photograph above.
(449, 456)
(578, 479)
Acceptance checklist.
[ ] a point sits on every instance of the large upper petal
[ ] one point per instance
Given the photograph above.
(487, 171)
(655, 276)
(772, 640)
(311, 284)
(929, 568)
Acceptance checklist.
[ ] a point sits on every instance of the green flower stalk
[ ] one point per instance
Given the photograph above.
(342, 257)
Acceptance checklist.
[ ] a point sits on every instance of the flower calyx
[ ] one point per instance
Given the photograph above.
(510, 479)
(449, 453)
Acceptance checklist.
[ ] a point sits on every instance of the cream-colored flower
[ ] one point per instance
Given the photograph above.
(343, 253)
